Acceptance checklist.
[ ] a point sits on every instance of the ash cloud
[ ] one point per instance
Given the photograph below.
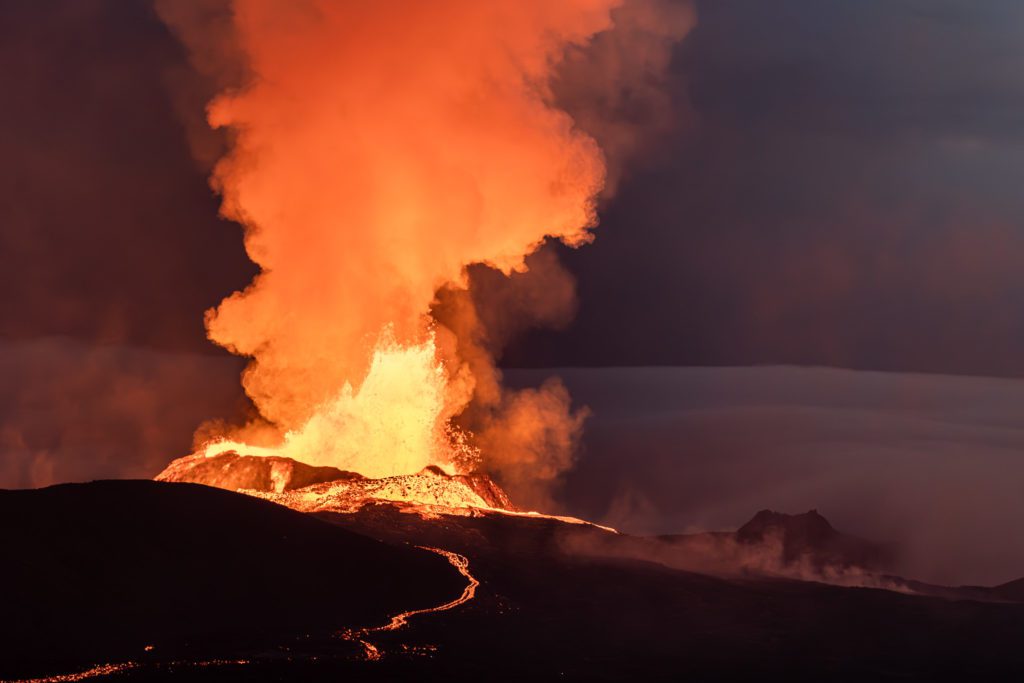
(527, 437)
(618, 87)
(614, 87)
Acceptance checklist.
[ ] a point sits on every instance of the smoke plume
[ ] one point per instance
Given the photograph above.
(377, 151)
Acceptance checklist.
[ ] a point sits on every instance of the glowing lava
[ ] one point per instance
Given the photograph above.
(105, 670)
(94, 672)
(426, 492)
(461, 563)
(401, 409)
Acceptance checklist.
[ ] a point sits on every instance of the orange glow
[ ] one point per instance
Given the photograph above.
(425, 491)
(94, 672)
(109, 670)
(399, 409)
(378, 149)
(468, 593)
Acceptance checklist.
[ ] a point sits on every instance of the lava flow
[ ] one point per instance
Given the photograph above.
(94, 672)
(104, 670)
(461, 563)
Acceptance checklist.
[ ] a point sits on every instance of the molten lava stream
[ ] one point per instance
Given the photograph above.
(104, 670)
(461, 563)
(95, 672)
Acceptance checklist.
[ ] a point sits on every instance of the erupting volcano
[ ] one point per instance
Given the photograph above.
(382, 498)
(373, 159)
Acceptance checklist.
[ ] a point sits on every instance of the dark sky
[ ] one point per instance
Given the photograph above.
(842, 190)
(847, 195)
(108, 230)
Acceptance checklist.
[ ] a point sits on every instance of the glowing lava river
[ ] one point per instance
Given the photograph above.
(461, 563)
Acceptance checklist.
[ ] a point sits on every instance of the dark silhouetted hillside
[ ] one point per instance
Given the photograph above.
(95, 572)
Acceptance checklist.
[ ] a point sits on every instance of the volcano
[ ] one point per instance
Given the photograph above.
(314, 489)
(810, 538)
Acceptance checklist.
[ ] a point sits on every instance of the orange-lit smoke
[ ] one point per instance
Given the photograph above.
(377, 150)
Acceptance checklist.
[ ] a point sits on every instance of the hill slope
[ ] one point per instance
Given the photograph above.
(99, 571)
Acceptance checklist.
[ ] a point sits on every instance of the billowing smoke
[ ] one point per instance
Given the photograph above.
(378, 150)
(615, 87)
(527, 437)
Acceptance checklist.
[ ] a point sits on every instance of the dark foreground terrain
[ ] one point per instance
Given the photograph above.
(96, 573)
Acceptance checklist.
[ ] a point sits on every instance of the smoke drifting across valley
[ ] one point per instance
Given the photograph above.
(927, 463)
(376, 153)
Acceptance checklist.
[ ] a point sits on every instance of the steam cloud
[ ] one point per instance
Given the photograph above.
(377, 151)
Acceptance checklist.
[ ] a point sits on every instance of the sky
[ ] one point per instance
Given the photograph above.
(845, 193)
(839, 189)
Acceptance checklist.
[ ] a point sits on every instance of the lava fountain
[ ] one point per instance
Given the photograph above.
(377, 150)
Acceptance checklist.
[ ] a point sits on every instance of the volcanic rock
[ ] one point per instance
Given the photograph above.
(315, 489)
(254, 473)
(803, 546)
(431, 488)
(1014, 591)
(483, 486)
(810, 538)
